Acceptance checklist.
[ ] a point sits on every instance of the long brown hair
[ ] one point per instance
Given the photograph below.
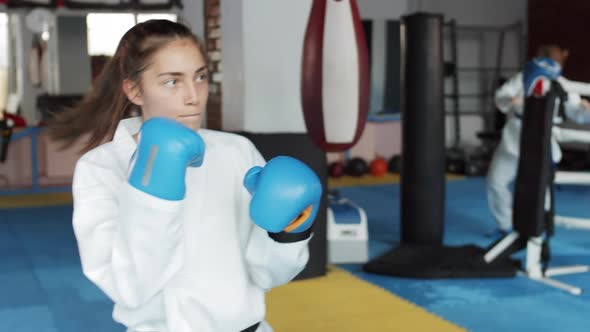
(101, 109)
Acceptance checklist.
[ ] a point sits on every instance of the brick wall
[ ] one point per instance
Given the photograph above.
(213, 44)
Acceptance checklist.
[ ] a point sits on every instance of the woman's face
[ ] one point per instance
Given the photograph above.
(175, 84)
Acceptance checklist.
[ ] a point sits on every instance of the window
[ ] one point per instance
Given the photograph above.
(3, 60)
(105, 30)
(3, 41)
(383, 42)
(162, 16)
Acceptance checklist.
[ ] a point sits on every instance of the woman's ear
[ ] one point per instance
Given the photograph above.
(132, 91)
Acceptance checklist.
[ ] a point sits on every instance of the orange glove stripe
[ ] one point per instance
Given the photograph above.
(299, 220)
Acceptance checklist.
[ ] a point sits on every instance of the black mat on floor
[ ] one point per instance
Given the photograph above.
(436, 262)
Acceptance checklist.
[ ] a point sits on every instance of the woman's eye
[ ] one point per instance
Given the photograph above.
(201, 77)
(170, 82)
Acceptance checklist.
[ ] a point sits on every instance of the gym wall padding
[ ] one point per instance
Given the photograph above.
(563, 22)
(300, 146)
(392, 63)
(73, 67)
(3, 88)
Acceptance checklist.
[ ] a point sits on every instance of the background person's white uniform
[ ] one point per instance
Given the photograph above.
(504, 164)
(199, 264)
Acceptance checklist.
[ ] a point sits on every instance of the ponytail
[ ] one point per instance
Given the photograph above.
(98, 113)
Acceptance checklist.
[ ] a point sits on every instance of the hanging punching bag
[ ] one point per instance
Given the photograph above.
(335, 75)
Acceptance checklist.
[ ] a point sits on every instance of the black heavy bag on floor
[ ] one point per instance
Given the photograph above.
(430, 262)
(421, 253)
(535, 165)
(423, 164)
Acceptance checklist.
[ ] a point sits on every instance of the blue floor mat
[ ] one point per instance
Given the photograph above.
(504, 304)
(42, 287)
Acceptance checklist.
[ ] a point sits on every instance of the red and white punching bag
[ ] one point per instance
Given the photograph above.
(335, 75)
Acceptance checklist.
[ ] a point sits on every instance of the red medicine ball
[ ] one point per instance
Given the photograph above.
(379, 166)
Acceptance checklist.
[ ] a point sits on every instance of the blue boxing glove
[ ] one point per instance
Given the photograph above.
(538, 74)
(165, 149)
(285, 195)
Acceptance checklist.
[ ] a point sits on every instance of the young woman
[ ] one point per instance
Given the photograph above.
(185, 229)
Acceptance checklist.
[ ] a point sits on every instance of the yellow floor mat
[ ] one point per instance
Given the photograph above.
(35, 200)
(341, 302)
